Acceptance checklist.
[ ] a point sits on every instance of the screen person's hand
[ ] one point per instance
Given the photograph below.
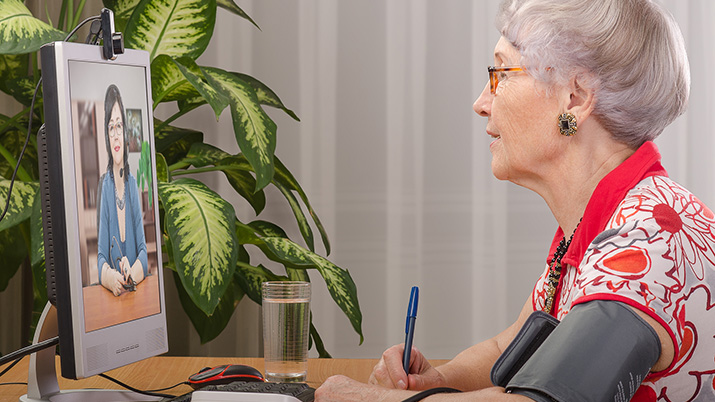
(113, 280)
(125, 268)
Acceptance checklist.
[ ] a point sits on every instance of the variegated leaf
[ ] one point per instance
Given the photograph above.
(166, 248)
(37, 240)
(201, 226)
(172, 27)
(340, 284)
(250, 278)
(253, 233)
(202, 154)
(12, 253)
(246, 234)
(174, 142)
(268, 229)
(232, 7)
(191, 103)
(255, 131)
(166, 136)
(12, 139)
(12, 67)
(265, 95)
(296, 274)
(303, 224)
(315, 337)
(284, 177)
(122, 9)
(209, 327)
(162, 169)
(237, 171)
(21, 201)
(22, 90)
(20, 32)
(193, 74)
(168, 83)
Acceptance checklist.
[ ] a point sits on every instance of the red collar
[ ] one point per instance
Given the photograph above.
(609, 192)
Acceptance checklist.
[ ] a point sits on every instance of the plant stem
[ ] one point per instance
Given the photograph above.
(13, 121)
(178, 165)
(198, 170)
(171, 119)
(78, 13)
(70, 15)
(61, 22)
(21, 173)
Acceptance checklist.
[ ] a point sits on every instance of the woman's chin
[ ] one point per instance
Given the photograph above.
(499, 170)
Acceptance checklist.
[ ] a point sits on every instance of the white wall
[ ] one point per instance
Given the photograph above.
(397, 164)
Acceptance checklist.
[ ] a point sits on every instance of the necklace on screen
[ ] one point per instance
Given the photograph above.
(120, 201)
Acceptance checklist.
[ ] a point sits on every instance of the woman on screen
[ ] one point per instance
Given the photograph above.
(121, 249)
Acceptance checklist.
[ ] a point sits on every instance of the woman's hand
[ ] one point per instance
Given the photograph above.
(389, 372)
(343, 389)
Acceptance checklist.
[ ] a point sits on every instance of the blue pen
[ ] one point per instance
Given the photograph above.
(410, 327)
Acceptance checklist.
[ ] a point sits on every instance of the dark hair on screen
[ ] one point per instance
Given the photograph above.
(113, 96)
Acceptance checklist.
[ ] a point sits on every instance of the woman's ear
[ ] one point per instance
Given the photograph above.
(581, 97)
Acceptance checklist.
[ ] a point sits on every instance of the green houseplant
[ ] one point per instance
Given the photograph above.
(205, 243)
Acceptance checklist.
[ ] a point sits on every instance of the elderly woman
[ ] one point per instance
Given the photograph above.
(578, 90)
(121, 248)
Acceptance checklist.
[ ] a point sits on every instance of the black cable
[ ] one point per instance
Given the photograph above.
(8, 368)
(173, 386)
(424, 394)
(80, 25)
(129, 387)
(35, 347)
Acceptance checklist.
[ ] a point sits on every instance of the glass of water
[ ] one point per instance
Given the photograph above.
(286, 324)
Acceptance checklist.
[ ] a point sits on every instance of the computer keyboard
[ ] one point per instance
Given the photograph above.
(245, 391)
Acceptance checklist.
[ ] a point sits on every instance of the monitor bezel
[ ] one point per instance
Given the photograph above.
(125, 342)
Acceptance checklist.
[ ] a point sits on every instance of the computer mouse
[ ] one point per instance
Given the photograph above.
(224, 374)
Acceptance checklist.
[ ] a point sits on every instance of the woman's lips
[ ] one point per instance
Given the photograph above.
(116, 149)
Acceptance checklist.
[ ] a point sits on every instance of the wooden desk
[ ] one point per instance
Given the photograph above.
(103, 309)
(164, 371)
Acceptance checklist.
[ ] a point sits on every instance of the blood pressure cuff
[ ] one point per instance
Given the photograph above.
(601, 351)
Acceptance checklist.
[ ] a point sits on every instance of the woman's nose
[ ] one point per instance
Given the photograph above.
(483, 105)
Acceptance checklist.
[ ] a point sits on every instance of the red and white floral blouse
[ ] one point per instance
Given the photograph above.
(648, 242)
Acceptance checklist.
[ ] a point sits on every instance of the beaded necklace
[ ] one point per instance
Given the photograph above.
(120, 201)
(555, 270)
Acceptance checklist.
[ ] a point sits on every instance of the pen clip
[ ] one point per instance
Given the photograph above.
(412, 306)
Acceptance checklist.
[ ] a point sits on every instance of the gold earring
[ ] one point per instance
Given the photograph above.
(567, 124)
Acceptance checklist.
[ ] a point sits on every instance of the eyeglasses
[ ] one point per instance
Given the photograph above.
(115, 130)
(494, 75)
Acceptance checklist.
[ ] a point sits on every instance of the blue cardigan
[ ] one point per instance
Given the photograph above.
(108, 225)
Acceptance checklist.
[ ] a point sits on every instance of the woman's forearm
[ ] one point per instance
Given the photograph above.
(471, 369)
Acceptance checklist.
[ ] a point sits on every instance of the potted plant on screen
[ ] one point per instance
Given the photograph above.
(175, 33)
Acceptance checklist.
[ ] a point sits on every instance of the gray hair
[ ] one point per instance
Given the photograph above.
(631, 52)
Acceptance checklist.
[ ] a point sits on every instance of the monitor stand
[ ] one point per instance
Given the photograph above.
(42, 383)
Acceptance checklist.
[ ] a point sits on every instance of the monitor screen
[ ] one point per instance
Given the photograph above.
(100, 208)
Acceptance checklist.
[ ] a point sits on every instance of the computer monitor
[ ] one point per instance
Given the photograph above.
(101, 208)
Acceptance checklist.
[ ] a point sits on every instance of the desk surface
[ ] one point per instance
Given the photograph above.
(103, 309)
(165, 371)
